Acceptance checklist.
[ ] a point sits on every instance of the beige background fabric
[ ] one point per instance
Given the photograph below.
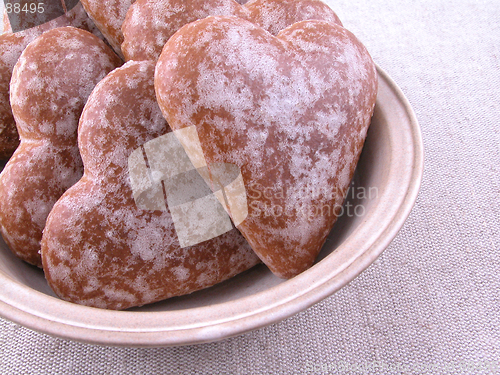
(431, 303)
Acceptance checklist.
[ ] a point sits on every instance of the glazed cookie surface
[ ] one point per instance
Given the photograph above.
(50, 85)
(108, 16)
(99, 248)
(11, 47)
(150, 23)
(276, 15)
(291, 111)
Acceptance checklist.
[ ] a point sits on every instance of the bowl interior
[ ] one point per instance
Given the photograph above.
(361, 199)
(381, 195)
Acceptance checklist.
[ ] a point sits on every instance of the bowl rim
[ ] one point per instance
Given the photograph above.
(154, 329)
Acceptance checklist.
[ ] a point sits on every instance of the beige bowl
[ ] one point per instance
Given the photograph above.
(385, 188)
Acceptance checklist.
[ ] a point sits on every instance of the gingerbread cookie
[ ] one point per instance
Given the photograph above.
(99, 247)
(150, 23)
(50, 85)
(291, 111)
(108, 15)
(11, 47)
(276, 15)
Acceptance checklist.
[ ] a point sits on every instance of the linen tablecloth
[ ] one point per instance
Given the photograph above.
(431, 303)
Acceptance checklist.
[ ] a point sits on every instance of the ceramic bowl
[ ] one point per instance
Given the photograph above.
(381, 197)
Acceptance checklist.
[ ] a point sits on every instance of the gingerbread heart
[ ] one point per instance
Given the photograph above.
(101, 249)
(291, 111)
(11, 47)
(150, 23)
(276, 15)
(108, 15)
(50, 85)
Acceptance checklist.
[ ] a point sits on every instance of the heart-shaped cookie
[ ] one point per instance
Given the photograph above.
(150, 23)
(276, 15)
(108, 16)
(50, 85)
(99, 248)
(291, 111)
(11, 47)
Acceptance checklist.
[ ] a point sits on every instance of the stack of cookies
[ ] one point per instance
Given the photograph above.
(181, 143)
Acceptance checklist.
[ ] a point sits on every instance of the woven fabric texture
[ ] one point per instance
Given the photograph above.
(431, 303)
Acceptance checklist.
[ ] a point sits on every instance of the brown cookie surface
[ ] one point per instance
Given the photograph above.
(99, 248)
(290, 111)
(11, 47)
(108, 16)
(276, 15)
(150, 23)
(50, 84)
